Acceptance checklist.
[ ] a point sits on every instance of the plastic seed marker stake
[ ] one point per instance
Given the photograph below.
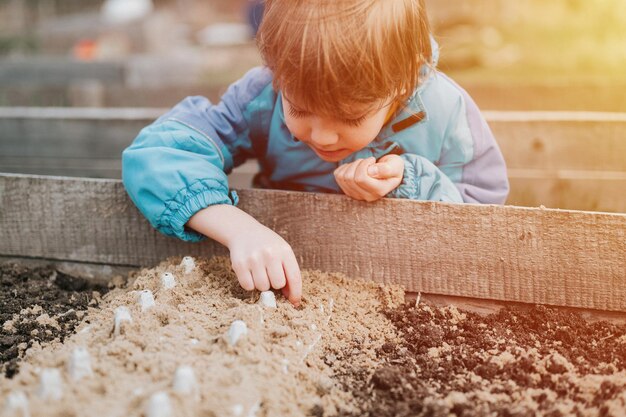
(146, 300)
(159, 405)
(188, 263)
(237, 330)
(122, 318)
(79, 365)
(16, 405)
(268, 299)
(168, 280)
(50, 384)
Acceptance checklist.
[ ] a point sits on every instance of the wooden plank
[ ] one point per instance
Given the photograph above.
(556, 159)
(554, 257)
(604, 96)
(55, 71)
(73, 133)
(529, 140)
(591, 191)
(561, 140)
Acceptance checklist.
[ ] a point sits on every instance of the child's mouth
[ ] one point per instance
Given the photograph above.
(329, 154)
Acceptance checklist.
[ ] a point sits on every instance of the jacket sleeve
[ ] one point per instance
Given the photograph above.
(178, 165)
(483, 176)
(424, 181)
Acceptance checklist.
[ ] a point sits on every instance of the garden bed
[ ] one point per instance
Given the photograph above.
(352, 348)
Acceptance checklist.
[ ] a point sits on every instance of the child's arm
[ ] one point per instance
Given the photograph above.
(177, 167)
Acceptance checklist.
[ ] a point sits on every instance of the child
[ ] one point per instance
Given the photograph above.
(349, 102)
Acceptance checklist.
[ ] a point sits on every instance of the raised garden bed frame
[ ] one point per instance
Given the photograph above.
(476, 256)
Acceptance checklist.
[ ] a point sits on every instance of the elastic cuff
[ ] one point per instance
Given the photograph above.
(410, 186)
(187, 202)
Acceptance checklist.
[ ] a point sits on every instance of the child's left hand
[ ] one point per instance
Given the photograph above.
(368, 180)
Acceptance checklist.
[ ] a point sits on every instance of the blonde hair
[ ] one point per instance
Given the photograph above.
(329, 55)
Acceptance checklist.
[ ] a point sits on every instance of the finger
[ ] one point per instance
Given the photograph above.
(276, 274)
(243, 276)
(389, 166)
(361, 176)
(349, 181)
(294, 280)
(367, 187)
(381, 171)
(339, 177)
(259, 275)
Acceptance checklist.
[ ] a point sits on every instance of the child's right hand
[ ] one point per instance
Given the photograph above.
(262, 259)
(259, 256)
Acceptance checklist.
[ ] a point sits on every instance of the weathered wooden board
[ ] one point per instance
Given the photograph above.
(50, 71)
(541, 140)
(561, 140)
(556, 159)
(566, 258)
(568, 190)
(605, 95)
(58, 133)
(504, 97)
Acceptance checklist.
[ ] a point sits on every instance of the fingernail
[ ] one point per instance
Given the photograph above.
(373, 170)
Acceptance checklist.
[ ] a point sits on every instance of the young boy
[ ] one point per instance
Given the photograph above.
(349, 101)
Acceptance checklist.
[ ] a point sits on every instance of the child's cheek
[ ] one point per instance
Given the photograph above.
(296, 128)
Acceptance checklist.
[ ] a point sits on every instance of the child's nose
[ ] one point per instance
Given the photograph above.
(322, 136)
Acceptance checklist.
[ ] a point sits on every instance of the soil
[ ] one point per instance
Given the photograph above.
(39, 305)
(514, 363)
(351, 349)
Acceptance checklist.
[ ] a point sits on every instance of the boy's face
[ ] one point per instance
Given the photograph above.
(334, 139)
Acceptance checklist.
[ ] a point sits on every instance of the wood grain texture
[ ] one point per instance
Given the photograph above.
(584, 144)
(598, 191)
(566, 258)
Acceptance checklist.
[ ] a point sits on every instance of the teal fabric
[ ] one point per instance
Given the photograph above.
(178, 165)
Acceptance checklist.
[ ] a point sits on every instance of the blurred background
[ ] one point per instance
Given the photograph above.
(154, 52)
(79, 78)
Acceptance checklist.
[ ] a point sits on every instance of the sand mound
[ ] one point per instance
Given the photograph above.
(284, 365)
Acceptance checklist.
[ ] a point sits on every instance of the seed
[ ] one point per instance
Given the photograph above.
(79, 365)
(16, 405)
(122, 319)
(236, 331)
(146, 300)
(50, 384)
(168, 280)
(268, 299)
(159, 405)
(185, 381)
(188, 263)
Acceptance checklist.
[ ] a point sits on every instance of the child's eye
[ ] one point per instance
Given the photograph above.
(355, 122)
(297, 113)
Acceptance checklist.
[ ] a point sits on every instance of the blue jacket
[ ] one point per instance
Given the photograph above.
(178, 165)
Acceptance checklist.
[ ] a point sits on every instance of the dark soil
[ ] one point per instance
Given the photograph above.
(27, 294)
(512, 363)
